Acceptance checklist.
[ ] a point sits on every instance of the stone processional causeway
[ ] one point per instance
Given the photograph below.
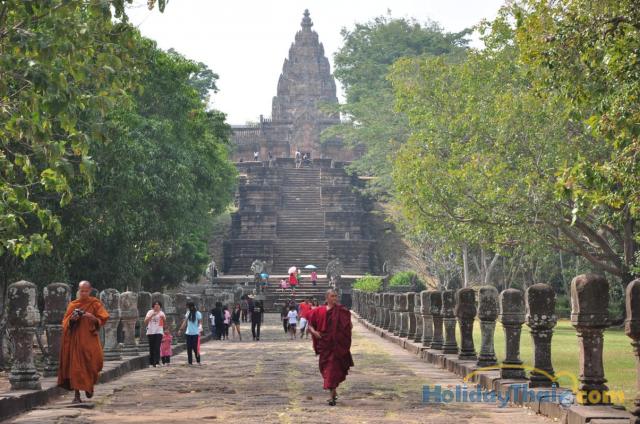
(291, 213)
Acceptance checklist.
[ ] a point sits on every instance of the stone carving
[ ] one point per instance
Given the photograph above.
(590, 316)
(427, 318)
(110, 298)
(540, 302)
(411, 316)
(417, 312)
(129, 316)
(56, 298)
(403, 310)
(450, 345)
(22, 318)
(512, 317)
(487, 314)
(435, 303)
(632, 329)
(465, 311)
(335, 269)
(144, 304)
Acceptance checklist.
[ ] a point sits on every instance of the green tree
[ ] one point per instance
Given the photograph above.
(362, 65)
(488, 151)
(160, 181)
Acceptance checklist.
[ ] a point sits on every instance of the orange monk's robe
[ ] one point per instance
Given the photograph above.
(333, 348)
(81, 352)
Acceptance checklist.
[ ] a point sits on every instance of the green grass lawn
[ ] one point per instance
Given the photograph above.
(619, 360)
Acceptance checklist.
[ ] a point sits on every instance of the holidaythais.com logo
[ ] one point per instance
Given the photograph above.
(521, 392)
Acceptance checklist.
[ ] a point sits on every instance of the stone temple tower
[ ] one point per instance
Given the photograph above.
(304, 85)
(299, 113)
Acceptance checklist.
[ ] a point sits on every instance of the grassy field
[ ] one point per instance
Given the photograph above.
(619, 360)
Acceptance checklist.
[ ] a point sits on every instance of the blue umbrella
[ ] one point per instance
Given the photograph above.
(310, 267)
(264, 275)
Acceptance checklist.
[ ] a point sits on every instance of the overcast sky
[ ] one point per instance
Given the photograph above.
(245, 42)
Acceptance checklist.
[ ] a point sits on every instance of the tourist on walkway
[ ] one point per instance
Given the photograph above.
(192, 321)
(314, 278)
(284, 311)
(218, 320)
(80, 352)
(250, 305)
(330, 326)
(155, 321)
(244, 308)
(235, 322)
(256, 320)
(292, 317)
(256, 156)
(226, 322)
(304, 309)
(293, 281)
(165, 347)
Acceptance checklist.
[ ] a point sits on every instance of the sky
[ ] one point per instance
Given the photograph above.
(245, 42)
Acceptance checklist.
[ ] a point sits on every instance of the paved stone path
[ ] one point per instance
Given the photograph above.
(277, 381)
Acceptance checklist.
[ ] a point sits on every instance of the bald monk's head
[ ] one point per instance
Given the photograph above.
(331, 297)
(84, 289)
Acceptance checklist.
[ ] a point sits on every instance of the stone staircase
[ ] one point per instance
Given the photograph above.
(276, 297)
(301, 189)
(287, 253)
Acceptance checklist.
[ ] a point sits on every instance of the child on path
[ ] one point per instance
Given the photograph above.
(165, 347)
(292, 316)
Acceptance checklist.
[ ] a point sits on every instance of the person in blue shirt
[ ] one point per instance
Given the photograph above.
(192, 321)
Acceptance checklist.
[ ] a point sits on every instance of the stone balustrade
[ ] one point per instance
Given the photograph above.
(399, 315)
(487, 314)
(23, 321)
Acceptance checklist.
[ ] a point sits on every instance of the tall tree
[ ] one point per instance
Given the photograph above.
(362, 65)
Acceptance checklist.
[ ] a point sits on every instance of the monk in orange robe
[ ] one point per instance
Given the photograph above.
(330, 326)
(81, 351)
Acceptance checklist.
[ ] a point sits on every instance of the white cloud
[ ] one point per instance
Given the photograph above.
(245, 42)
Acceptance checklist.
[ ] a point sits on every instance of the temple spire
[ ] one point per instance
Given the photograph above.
(306, 20)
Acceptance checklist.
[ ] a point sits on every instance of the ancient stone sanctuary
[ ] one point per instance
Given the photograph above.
(298, 212)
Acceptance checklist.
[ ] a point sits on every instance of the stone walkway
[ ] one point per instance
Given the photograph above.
(277, 381)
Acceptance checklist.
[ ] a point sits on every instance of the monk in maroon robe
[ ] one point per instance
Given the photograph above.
(330, 325)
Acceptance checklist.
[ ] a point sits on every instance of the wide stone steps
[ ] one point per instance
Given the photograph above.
(307, 225)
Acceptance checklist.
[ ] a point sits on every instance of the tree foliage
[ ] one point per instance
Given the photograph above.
(113, 167)
(505, 156)
(362, 65)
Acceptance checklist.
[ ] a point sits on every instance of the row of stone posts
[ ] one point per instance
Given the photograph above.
(438, 312)
(126, 308)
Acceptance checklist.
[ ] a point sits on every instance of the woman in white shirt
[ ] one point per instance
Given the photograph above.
(155, 321)
(292, 316)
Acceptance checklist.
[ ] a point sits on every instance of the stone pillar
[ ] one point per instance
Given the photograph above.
(403, 310)
(465, 311)
(590, 316)
(110, 298)
(427, 318)
(22, 319)
(56, 299)
(385, 311)
(144, 305)
(180, 301)
(540, 302)
(396, 315)
(435, 303)
(379, 310)
(632, 329)
(487, 314)
(129, 316)
(512, 318)
(417, 312)
(411, 316)
(172, 316)
(450, 344)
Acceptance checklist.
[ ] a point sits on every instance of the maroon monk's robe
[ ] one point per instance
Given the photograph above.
(333, 347)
